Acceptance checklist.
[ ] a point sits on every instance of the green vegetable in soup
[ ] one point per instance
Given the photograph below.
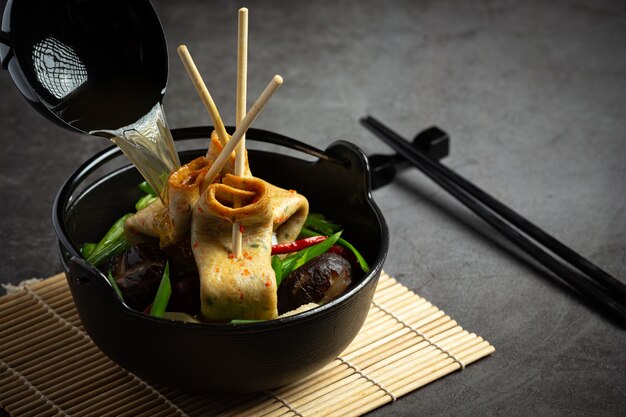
(113, 243)
(162, 296)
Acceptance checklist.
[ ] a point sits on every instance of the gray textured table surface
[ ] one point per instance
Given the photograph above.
(534, 97)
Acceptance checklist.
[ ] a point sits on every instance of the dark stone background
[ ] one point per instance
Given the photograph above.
(534, 97)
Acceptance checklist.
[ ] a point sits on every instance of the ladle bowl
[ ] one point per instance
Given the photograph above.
(97, 67)
(86, 65)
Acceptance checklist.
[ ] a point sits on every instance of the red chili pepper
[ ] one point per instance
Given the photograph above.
(297, 245)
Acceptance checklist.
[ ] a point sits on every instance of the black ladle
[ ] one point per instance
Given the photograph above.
(98, 67)
(86, 65)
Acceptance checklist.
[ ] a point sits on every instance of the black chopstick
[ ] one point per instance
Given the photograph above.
(601, 288)
(529, 228)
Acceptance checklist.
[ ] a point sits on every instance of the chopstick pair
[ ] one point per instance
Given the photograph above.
(596, 285)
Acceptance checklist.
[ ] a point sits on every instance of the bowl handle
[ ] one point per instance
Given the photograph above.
(80, 270)
(81, 277)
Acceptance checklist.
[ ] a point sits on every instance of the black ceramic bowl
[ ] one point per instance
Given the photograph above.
(224, 357)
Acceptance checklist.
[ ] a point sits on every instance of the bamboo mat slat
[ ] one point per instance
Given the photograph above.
(50, 367)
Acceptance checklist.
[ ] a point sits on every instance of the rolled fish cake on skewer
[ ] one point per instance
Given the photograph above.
(244, 287)
(172, 222)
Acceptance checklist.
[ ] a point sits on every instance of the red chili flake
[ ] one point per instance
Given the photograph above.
(231, 256)
(195, 245)
(246, 272)
(241, 228)
(268, 284)
(200, 209)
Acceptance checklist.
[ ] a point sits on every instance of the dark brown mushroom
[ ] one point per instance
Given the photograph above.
(137, 272)
(320, 280)
(139, 269)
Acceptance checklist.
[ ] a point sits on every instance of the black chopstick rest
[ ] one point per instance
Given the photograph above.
(432, 142)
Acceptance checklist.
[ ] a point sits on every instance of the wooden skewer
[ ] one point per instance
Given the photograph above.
(242, 86)
(240, 111)
(203, 92)
(257, 107)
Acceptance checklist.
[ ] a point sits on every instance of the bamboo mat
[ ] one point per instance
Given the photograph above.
(49, 366)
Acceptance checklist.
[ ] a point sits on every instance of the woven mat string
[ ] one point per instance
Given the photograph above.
(284, 402)
(363, 375)
(30, 386)
(420, 334)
